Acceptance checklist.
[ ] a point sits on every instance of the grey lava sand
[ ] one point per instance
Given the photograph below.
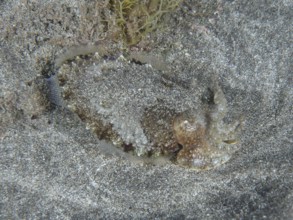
(229, 63)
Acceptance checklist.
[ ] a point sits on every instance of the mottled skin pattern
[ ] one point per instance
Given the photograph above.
(204, 138)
